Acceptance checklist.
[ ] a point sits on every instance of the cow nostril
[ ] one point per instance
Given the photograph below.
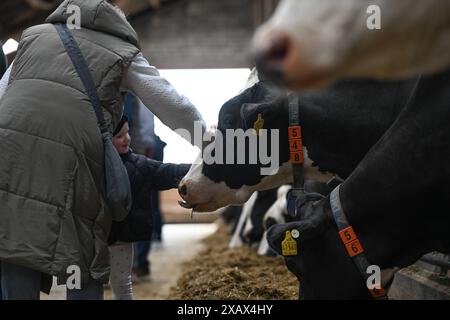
(271, 58)
(182, 190)
(278, 50)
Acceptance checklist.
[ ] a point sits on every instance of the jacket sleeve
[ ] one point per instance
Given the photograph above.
(163, 176)
(161, 98)
(4, 81)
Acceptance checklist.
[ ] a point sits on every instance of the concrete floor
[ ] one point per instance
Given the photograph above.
(181, 242)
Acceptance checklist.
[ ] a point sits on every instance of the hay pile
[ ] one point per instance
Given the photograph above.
(239, 274)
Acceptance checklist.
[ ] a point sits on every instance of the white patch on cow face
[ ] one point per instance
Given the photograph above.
(317, 34)
(322, 26)
(207, 195)
(330, 39)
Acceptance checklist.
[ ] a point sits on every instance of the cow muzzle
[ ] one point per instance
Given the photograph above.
(207, 196)
(183, 192)
(271, 52)
(280, 58)
(194, 197)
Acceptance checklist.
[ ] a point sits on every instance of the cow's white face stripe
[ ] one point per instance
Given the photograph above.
(212, 195)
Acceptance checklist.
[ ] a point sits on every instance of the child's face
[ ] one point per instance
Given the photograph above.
(122, 140)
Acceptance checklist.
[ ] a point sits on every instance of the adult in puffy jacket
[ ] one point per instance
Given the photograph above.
(54, 218)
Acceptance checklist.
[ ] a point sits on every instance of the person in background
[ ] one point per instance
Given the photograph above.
(145, 176)
(158, 154)
(142, 265)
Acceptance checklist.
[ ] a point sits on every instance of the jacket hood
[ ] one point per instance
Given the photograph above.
(97, 15)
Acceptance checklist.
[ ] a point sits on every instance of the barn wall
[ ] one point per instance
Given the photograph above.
(201, 33)
(175, 33)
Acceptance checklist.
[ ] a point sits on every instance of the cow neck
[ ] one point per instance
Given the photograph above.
(351, 242)
(296, 155)
(360, 220)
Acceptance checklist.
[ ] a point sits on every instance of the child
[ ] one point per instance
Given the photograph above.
(145, 175)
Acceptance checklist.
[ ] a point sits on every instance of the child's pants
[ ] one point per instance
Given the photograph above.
(121, 260)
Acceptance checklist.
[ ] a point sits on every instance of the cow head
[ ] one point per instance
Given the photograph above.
(310, 43)
(210, 186)
(322, 266)
(339, 125)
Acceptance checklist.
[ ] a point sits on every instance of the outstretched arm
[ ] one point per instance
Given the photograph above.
(163, 176)
(160, 97)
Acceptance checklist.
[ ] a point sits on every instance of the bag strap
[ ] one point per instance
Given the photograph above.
(81, 66)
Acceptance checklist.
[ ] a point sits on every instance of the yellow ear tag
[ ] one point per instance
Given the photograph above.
(288, 245)
(259, 124)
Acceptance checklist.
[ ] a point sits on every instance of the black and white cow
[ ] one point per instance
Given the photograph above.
(249, 227)
(308, 43)
(339, 126)
(254, 229)
(231, 215)
(237, 238)
(277, 214)
(396, 199)
(395, 195)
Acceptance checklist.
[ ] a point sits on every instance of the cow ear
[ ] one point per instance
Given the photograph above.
(249, 112)
(247, 109)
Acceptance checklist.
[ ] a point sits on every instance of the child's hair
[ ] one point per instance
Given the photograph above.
(119, 126)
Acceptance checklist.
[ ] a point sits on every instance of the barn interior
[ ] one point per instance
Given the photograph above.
(202, 47)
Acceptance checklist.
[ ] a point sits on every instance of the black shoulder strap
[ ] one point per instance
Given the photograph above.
(80, 64)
